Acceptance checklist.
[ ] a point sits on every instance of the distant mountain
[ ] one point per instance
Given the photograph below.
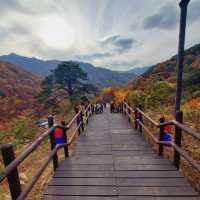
(139, 70)
(100, 77)
(33, 65)
(17, 90)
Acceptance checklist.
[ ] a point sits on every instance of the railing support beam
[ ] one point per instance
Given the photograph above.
(140, 118)
(13, 177)
(53, 143)
(160, 151)
(136, 117)
(178, 138)
(129, 113)
(65, 129)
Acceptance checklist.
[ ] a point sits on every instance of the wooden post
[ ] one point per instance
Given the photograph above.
(90, 111)
(160, 151)
(129, 113)
(178, 137)
(64, 129)
(125, 109)
(81, 120)
(66, 148)
(52, 141)
(13, 177)
(136, 117)
(87, 114)
(140, 119)
(78, 120)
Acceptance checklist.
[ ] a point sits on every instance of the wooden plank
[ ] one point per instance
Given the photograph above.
(67, 167)
(83, 182)
(81, 191)
(147, 174)
(100, 159)
(159, 182)
(156, 198)
(97, 153)
(92, 139)
(95, 143)
(141, 161)
(138, 157)
(129, 140)
(93, 148)
(84, 174)
(129, 148)
(157, 191)
(50, 197)
(132, 153)
(144, 167)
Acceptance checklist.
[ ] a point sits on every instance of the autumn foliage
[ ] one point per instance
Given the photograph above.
(17, 90)
(113, 94)
(194, 103)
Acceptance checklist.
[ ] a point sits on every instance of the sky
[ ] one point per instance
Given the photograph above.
(116, 34)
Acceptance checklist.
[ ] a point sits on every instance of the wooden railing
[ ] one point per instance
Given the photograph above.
(137, 116)
(76, 125)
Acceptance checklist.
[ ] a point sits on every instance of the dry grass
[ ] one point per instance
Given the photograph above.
(30, 166)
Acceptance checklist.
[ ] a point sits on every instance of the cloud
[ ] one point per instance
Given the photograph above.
(8, 32)
(29, 7)
(122, 65)
(126, 64)
(118, 43)
(109, 47)
(94, 56)
(7, 7)
(9, 4)
(165, 18)
(102, 33)
(194, 11)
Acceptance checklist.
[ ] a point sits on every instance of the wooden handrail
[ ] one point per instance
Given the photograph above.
(74, 134)
(79, 125)
(155, 139)
(52, 156)
(186, 129)
(34, 179)
(24, 154)
(177, 124)
(73, 120)
(172, 122)
(148, 117)
(193, 162)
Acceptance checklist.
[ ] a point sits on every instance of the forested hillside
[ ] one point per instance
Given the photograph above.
(157, 86)
(17, 90)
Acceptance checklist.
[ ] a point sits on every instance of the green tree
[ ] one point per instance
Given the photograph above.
(68, 80)
(136, 97)
(196, 94)
(158, 94)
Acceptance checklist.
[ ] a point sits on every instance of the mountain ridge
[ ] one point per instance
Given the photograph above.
(99, 76)
(160, 80)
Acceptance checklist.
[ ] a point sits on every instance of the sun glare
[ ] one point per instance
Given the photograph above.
(56, 32)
